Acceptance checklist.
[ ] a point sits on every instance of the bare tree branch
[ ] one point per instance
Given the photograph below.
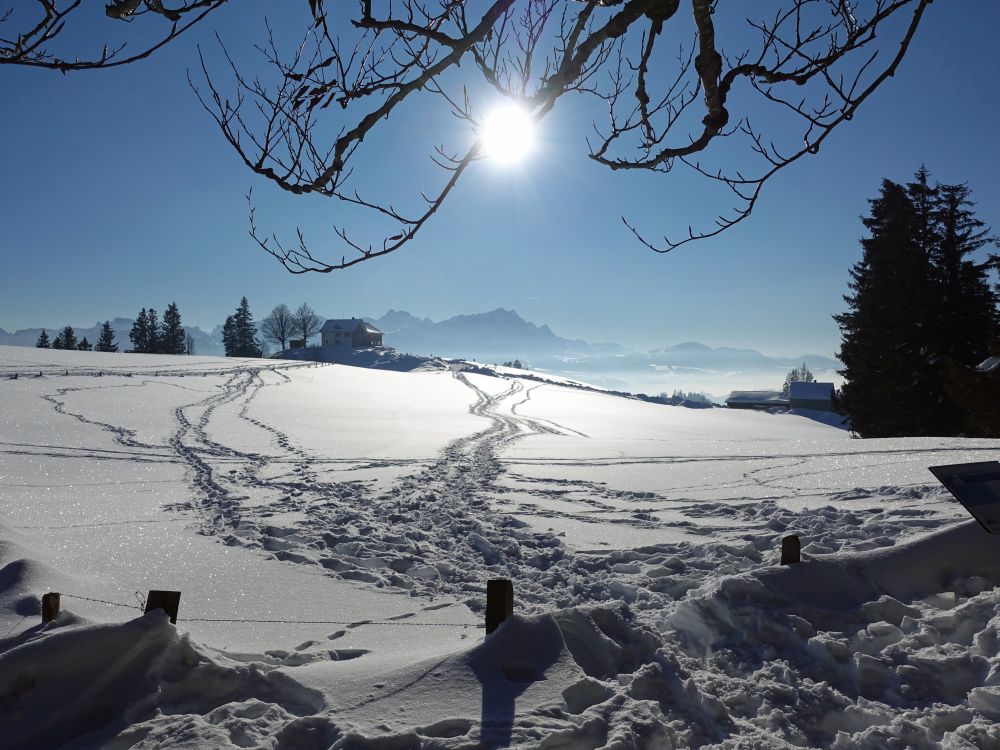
(665, 71)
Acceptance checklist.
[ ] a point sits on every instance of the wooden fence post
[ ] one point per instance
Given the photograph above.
(50, 606)
(791, 550)
(168, 601)
(499, 602)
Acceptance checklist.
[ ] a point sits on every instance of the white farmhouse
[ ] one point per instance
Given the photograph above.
(350, 332)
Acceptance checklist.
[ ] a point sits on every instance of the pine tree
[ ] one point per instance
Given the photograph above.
(140, 333)
(84, 345)
(919, 305)
(43, 340)
(966, 305)
(66, 339)
(172, 332)
(106, 342)
(244, 332)
(229, 337)
(153, 332)
(883, 347)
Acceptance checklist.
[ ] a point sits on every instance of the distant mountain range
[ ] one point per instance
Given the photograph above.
(502, 335)
(498, 334)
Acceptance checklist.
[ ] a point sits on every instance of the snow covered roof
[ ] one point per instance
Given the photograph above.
(989, 365)
(347, 324)
(754, 397)
(810, 391)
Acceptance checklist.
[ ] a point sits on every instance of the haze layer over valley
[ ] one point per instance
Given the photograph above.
(502, 335)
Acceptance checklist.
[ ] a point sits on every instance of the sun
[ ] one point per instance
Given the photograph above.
(508, 134)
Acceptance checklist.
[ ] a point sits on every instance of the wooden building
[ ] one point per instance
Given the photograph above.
(350, 332)
(760, 400)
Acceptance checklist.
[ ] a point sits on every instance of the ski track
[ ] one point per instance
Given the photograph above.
(450, 524)
(447, 527)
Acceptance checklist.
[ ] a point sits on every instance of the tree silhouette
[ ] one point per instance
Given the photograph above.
(139, 335)
(66, 339)
(38, 24)
(239, 334)
(917, 304)
(307, 322)
(43, 340)
(106, 341)
(279, 325)
(172, 332)
(360, 65)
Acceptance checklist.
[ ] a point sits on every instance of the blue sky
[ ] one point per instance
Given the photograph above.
(118, 192)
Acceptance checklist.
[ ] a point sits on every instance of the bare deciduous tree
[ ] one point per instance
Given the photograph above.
(675, 77)
(307, 322)
(279, 325)
(38, 25)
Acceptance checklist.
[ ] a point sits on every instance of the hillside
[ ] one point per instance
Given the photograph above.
(331, 530)
(502, 335)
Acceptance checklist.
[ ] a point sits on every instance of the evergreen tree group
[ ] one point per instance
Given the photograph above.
(150, 336)
(239, 334)
(65, 339)
(919, 306)
(796, 375)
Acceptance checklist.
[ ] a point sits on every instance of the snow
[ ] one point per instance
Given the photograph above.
(364, 510)
(989, 364)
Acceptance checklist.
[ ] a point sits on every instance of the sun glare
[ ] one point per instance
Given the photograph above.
(508, 134)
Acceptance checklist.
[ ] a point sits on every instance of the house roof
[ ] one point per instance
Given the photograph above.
(756, 397)
(810, 391)
(347, 324)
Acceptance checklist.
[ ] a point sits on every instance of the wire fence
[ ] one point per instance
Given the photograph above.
(141, 606)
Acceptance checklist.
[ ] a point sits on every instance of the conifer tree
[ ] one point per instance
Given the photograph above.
(244, 332)
(106, 342)
(43, 340)
(791, 377)
(966, 311)
(883, 348)
(229, 337)
(66, 339)
(84, 345)
(919, 305)
(172, 333)
(140, 333)
(153, 332)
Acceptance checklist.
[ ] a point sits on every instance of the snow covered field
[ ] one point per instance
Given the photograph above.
(331, 530)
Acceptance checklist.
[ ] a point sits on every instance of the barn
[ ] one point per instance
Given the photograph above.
(761, 400)
(818, 396)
